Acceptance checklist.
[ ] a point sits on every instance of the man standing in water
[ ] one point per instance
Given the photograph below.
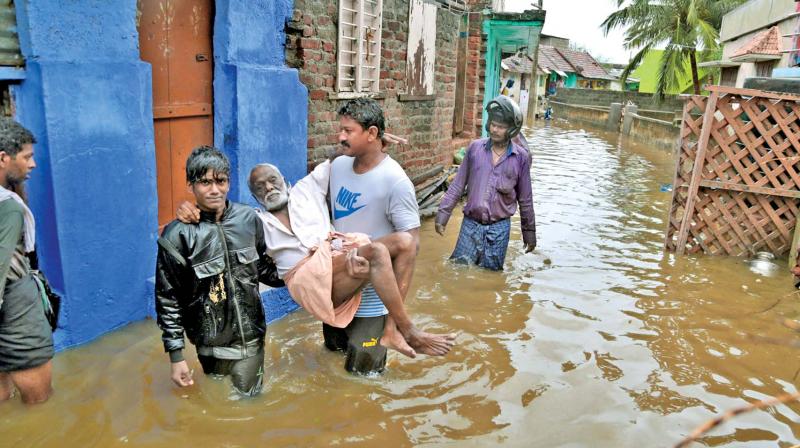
(323, 270)
(26, 339)
(497, 174)
(370, 193)
(207, 277)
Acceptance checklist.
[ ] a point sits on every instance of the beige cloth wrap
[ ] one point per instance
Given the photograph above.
(310, 282)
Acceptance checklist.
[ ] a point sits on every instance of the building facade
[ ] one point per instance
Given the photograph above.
(432, 66)
(107, 146)
(757, 38)
(118, 93)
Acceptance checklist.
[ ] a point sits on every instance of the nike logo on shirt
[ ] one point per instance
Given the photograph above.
(347, 201)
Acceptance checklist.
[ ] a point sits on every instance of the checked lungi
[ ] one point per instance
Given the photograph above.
(484, 245)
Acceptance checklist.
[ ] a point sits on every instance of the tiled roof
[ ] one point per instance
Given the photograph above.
(551, 59)
(518, 64)
(765, 42)
(585, 65)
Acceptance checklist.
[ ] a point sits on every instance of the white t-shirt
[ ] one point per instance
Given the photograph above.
(378, 202)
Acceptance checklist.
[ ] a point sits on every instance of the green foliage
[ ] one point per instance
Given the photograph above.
(686, 30)
(648, 71)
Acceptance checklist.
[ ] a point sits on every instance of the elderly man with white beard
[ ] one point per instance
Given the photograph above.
(325, 270)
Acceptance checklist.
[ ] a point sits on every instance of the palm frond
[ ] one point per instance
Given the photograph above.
(634, 63)
(670, 70)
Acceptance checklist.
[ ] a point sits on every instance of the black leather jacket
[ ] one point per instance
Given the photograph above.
(207, 277)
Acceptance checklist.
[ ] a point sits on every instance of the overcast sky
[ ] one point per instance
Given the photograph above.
(579, 21)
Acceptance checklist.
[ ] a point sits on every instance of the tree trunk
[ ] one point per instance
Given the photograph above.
(695, 81)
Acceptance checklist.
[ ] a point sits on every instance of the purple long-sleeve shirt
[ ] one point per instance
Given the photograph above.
(493, 191)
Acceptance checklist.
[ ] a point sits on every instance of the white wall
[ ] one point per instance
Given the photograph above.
(754, 15)
(785, 27)
(746, 70)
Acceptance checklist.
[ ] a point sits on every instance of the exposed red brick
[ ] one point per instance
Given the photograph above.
(309, 43)
(427, 124)
(317, 95)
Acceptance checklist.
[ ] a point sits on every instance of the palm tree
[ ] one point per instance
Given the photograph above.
(684, 27)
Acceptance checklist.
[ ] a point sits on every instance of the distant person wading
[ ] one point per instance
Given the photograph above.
(496, 172)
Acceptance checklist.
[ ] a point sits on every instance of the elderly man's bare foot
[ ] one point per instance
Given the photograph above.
(392, 339)
(430, 344)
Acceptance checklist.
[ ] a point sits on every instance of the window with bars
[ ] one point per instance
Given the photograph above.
(359, 58)
(10, 54)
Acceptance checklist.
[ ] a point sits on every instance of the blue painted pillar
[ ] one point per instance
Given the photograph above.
(260, 106)
(87, 99)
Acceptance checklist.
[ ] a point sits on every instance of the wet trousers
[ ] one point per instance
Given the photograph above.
(484, 245)
(247, 375)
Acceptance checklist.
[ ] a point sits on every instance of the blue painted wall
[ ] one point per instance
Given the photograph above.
(260, 106)
(87, 98)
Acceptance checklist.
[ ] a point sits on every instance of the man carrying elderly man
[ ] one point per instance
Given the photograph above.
(341, 277)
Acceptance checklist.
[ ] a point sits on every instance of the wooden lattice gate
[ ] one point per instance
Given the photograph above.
(737, 178)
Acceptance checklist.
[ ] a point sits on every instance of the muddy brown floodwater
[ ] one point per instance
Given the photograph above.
(599, 338)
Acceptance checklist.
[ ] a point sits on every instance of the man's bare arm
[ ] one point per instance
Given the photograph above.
(187, 213)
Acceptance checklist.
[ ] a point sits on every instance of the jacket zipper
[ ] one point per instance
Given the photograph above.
(233, 287)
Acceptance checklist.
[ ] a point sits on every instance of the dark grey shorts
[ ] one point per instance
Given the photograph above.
(26, 340)
(247, 375)
(361, 342)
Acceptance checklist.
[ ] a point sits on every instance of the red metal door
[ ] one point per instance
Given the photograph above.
(175, 38)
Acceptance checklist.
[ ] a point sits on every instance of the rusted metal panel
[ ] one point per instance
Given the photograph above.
(10, 54)
(175, 38)
(421, 47)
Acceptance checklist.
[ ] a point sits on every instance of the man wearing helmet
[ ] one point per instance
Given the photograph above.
(496, 174)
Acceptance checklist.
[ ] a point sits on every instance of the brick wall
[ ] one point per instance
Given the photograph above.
(605, 97)
(427, 124)
(476, 74)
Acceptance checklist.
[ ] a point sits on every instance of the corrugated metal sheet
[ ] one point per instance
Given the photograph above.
(9, 41)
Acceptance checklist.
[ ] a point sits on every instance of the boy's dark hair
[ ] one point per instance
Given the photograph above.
(366, 111)
(204, 158)
(12, 136)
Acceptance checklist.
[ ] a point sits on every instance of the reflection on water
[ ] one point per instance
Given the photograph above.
(615, 343)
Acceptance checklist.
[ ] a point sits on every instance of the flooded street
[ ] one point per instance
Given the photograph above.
(599, 338)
